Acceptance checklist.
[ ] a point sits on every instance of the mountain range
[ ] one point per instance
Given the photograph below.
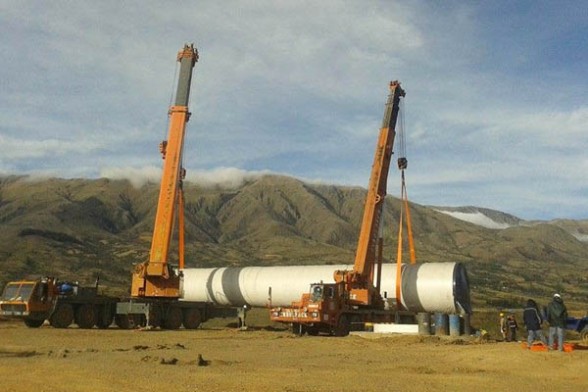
(82, 229)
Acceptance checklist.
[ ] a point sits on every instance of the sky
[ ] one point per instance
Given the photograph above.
(495, 113)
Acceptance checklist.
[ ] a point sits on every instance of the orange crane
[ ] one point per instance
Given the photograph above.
(155, 277)
(354, 297)
(155, 288)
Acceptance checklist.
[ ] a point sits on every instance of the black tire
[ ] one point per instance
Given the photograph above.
(105, 316)
(86, 316)
(173, 318)
(298, 329)
(312, 331)
(62, 317)
(128, 321)
(33, 323)
(342, 328)
(122, 321)
(192, 318)
(155, 314)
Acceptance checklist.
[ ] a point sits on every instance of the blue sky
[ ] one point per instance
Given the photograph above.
(496, 112)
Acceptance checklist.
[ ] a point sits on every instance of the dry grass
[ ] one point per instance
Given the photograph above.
(260, 359)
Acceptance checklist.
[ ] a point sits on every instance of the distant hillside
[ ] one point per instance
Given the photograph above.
(485, 217)
(493, 219)
(80, 229)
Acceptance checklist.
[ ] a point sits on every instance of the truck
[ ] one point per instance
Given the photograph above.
(155, 294)
(354, 298)
(36, 299)
(579, 325)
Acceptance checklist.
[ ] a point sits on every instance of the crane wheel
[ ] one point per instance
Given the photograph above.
(343, 326)
(173, 318)
(62, 317)
(312, 331)
(86, 316)
(192, 318)
(128, 321)
(155, 316)
(122, 321)
(33, 323)
(105, 316)
(298, 329)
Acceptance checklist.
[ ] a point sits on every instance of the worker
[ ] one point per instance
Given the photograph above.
(557, 315)
(511, 328)
(503, 326)
(533, 320)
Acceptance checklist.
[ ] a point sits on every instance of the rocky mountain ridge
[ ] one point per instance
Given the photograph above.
(82, 229)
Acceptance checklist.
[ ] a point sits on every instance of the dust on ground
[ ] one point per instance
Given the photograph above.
(224, 359)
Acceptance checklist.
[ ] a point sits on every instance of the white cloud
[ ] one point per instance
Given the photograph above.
(22, 148)
(476, 218)
(137, 176)
(495, 114)
(224, 177)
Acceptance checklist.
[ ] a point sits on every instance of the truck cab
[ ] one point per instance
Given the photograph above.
(31, 299)
(319, 310)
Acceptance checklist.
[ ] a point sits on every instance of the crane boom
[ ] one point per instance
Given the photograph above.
(153, 278)
(360, 279)
(353, 298)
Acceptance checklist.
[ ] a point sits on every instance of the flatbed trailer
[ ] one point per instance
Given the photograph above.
(38, 299)
(169, 313)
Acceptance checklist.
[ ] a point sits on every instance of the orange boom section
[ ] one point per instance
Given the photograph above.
(155, 278)
(359, 281)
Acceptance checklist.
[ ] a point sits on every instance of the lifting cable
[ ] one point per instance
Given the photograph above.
(404, 212)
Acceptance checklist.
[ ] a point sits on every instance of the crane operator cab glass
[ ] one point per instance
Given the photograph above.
(320, 292)
(316, 292)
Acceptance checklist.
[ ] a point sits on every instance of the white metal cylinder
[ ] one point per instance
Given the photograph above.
(428, 287)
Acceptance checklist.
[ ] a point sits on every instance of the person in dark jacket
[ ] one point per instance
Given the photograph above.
(557, 316)
(533, 320)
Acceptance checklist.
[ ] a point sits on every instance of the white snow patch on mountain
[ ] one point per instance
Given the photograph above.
(477, 218)
(581, 237)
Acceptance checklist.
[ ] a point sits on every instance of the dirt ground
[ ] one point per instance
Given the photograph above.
(261, 359)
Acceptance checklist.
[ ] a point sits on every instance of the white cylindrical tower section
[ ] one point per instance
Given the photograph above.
(432, 287)
(435, 287)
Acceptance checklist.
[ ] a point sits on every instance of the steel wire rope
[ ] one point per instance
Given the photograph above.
(401, 131)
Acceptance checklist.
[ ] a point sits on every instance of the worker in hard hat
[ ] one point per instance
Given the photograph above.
(557, 315)
(503, 327)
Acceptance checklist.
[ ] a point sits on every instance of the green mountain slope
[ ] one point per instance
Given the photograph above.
(81, 229)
